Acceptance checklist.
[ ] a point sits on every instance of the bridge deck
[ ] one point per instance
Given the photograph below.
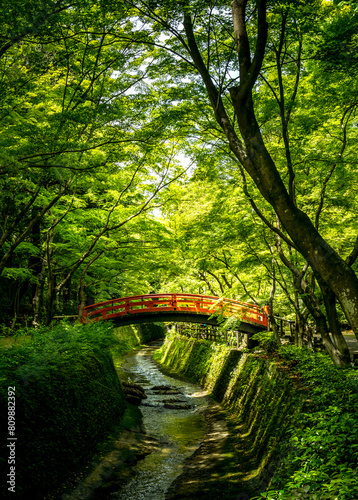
(175, 307)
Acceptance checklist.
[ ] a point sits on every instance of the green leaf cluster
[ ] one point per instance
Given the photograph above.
(321, 458)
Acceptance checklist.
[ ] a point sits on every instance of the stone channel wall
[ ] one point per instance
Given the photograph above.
(68, 399)
(131, 336)
(258, 393)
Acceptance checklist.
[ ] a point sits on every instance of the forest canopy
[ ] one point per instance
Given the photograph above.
(203, 147)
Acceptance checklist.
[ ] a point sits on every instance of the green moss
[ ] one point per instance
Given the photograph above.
(293, 419)
(131, 336)
(151, 331)
(256, 393)
(68, 397)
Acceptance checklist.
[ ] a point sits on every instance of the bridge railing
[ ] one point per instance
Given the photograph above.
(183, 302)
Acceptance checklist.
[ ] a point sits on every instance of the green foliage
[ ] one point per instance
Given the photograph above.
(337, 50)
(321, 459)
(266, 341)
(67, 398)
(217, 240)
(83, 150)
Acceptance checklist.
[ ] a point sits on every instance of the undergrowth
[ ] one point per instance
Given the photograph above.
(320, 458)
(67, 397)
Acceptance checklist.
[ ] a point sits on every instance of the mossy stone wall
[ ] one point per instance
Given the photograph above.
(130, 336)
(61, 415)
(256, 390)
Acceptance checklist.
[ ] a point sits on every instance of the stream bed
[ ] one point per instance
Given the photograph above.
(178, 431)
(172, 419)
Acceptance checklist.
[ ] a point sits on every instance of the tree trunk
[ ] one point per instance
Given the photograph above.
(335, 328)
(50, 301)
(270, 310)
(322, 258)
(38, 296)
(339, 358)
(256, 160)
(82, 291)
(309, 337)
(300, 328)
(82, 298)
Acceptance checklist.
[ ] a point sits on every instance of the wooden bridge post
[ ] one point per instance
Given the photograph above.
(266, 311)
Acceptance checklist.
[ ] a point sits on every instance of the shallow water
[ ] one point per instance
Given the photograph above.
(178, 431)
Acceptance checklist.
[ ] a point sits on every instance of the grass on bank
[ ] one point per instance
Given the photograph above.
(67, 397)
(320, 455)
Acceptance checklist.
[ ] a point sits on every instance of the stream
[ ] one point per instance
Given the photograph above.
(176, 432)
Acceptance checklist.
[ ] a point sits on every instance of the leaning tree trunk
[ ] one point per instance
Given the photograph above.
(256, 160)
(322, 258)
(258, 163)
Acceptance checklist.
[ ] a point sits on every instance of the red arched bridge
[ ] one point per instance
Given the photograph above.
(178, 307)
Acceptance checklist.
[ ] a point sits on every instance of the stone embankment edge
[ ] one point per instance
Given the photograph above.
(259, 398)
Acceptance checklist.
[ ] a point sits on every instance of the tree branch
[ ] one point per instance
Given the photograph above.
(344, 122)
(26, 231)
(249, 71)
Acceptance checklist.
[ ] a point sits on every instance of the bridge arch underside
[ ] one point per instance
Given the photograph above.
(179, 317)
